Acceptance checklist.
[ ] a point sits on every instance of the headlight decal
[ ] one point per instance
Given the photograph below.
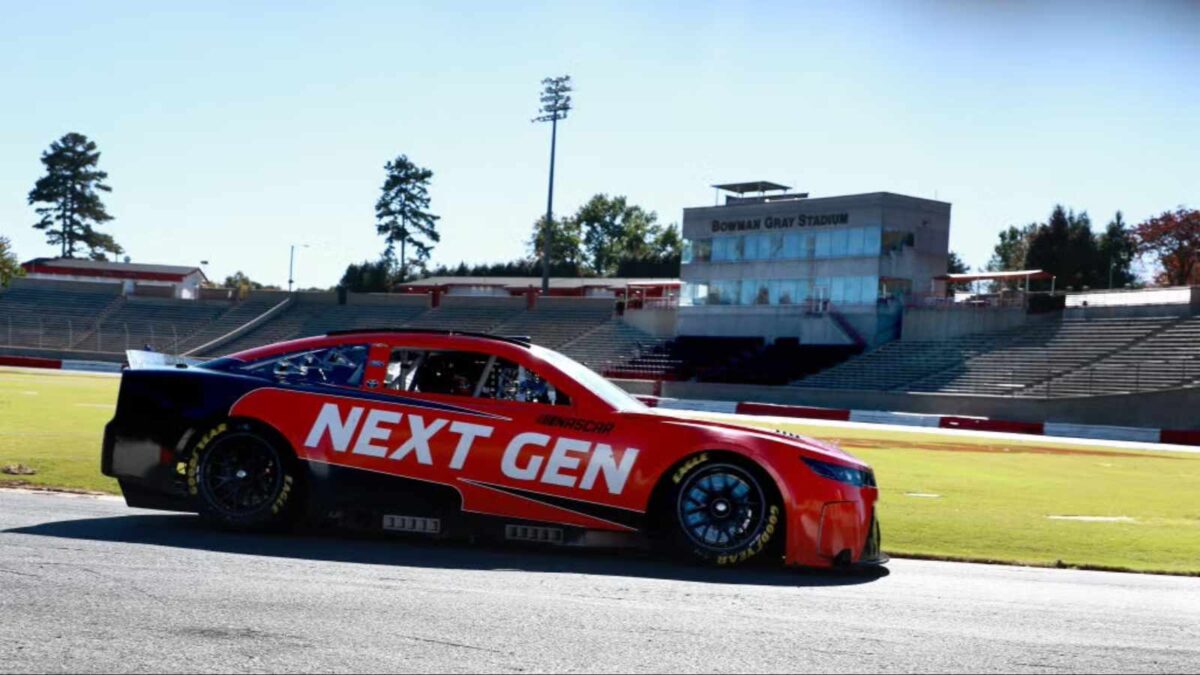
(842, 474)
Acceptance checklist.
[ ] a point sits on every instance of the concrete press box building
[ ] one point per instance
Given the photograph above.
(828, 270)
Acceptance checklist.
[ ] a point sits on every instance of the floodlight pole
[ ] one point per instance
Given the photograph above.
(292, 264)
(555, 104)
(548, 224)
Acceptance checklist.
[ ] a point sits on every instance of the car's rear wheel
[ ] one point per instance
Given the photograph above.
(243, 478)
(724, 512)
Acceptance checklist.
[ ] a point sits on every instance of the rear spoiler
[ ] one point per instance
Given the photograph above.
(139, 359)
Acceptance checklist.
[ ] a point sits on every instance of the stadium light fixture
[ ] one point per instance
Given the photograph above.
(292, 263)
(556, 102)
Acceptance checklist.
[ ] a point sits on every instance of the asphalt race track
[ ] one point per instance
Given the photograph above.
(90, 585)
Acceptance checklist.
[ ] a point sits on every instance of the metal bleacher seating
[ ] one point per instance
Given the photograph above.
(557, 321)
(1166, 358)
(1038, 360)
(469, 313)
(159, 322)
(613, 344)
(52, 317)
(304, 318)
(236, 315)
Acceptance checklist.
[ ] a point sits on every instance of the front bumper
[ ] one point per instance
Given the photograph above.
(872, 553)
(835, 529)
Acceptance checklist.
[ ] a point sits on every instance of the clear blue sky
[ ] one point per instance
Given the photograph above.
(232, 129)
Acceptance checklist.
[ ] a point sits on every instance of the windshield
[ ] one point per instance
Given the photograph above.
(610, 393)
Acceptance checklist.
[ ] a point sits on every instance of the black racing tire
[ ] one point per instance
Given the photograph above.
(244, 478)
(723, 511)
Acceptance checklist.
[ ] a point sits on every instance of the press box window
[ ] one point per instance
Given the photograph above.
(697, 250)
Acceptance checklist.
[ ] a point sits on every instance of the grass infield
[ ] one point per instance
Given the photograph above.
(956, 496)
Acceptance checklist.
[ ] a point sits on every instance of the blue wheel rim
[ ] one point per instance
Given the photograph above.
(721, 508)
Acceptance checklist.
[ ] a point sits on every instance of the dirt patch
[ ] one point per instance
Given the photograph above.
(851, 444)
(18, 470)
(34, 487)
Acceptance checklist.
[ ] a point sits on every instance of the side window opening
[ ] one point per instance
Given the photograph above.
(342, 365)
(469, 374)
(508, 381)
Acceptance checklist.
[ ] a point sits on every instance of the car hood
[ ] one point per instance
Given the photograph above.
(773, 439)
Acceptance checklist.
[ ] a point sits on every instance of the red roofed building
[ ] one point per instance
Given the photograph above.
(173, 281)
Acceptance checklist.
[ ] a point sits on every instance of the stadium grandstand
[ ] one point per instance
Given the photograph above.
(1120, 344)
(816, 298)
(100, 321)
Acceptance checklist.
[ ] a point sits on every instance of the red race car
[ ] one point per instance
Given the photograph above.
(448, 434)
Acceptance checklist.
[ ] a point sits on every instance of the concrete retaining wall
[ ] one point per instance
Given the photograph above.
(1170, 409)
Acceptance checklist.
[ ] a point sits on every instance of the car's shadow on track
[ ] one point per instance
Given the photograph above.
(182, 531)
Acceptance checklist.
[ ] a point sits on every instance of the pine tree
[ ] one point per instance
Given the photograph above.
(402, 215)
(1117, 250)
(72, 206)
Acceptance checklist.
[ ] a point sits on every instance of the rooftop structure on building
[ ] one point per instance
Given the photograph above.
(177, 281)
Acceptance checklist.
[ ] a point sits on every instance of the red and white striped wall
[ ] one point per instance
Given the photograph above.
(60, 364)
(1061, 429)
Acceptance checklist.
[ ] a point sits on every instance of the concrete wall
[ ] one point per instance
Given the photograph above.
(768, 321)
(512, 302)
(943, 324)
(1127, 312)
(389, 299)
(36, 352)
(658, 322)
(56, 285)
(1168, 409)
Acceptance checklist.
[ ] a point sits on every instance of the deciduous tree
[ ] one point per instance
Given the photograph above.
(1171, 240)
(1009, 253)
(616, 232)
(10, 265)
(566, 243)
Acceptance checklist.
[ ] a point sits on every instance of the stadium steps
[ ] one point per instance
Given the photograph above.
(610, 345)
(82, 341)
(286, 325)
(1167, 358)
(238, 314)
(467, 314)
(554, 324)
(32, 316)
(161, 323)
(1013, 362)
(1014, 368)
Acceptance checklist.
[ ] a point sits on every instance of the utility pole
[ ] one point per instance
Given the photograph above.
(556, 102)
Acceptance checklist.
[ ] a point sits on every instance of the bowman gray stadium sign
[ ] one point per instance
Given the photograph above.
(776, 222)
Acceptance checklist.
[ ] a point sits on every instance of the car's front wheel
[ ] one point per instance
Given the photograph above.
(724, 512)
(243, 479)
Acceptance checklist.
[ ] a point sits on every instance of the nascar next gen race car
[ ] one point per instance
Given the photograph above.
(447, 434)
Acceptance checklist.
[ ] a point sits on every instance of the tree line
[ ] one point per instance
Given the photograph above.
(607, 235)
(1066, 246)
